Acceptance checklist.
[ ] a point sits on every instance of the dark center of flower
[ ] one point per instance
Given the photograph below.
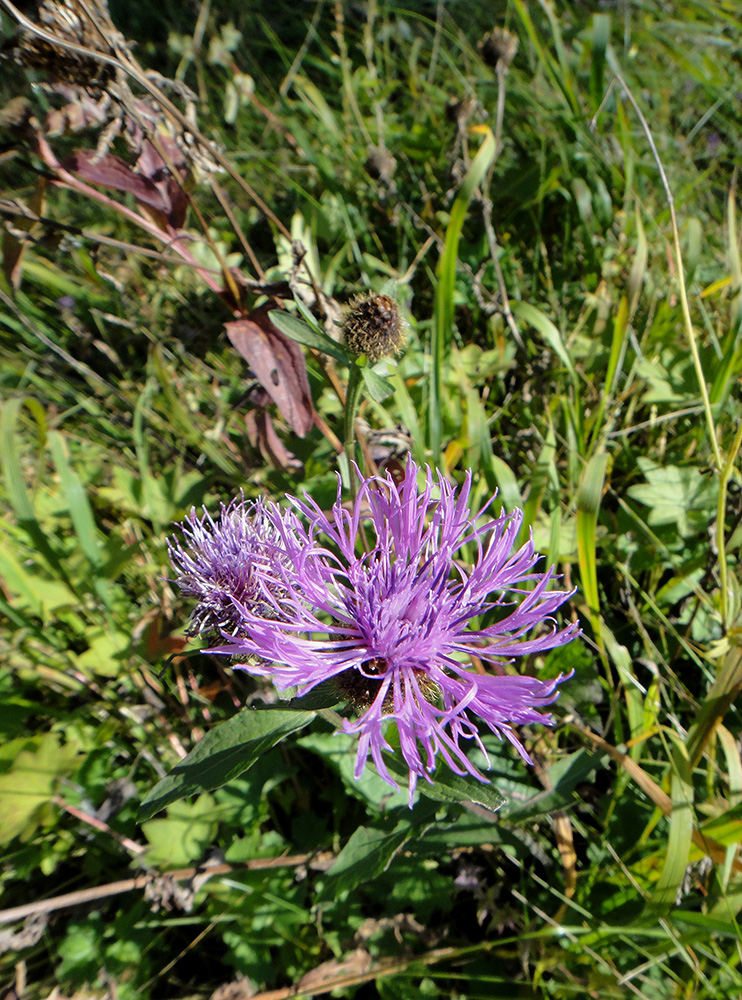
(360, 685)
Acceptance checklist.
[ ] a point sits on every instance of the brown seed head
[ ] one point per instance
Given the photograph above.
(380, 164)
(373, 326)
(498, 49)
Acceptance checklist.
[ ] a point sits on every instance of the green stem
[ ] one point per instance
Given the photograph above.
(352, 398)
(721, 545)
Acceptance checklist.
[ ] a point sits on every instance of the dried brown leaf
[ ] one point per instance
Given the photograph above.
(278, 364)
(115, 174)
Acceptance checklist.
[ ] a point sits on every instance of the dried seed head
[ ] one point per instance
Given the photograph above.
(89, 27)
(460, 110)
(498, 49)
(373, 326)
(380, 164)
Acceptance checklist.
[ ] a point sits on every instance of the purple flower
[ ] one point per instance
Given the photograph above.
(226, 561)
(375, 598)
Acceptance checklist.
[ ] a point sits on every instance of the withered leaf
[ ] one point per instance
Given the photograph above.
(115, 174)
(151, 165)
(262, 436)
(278, 364)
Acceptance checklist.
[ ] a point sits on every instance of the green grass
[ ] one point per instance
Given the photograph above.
(603, 399)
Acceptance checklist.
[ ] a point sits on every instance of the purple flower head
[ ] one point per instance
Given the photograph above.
(375, 598)
(226, 561)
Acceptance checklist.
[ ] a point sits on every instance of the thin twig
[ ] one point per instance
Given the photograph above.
(139, 882)
(98, 824)
(507, 312)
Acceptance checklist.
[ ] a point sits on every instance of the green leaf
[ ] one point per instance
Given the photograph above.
(379, 388)
(447, 786)
(29, 770)
(679, 841)
(368, 853)
(15, 482)
(589, 496)
(302, 333)
(443, 316)
(678, 496)
(81, 514)
(563, 777)
(224, 753)
(33, 590)
(540, 322)
(106, 648)
(184, 835)
(339, 751)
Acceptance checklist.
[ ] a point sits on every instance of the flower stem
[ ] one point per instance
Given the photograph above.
(352, 398)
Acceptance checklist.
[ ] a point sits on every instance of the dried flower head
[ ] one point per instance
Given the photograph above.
(498, 49)
(225, 561)
(373, 326)
(87, 26)
(392, 625)
(380, 164)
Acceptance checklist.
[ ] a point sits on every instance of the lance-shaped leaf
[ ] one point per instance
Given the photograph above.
(302, 333)
(225, 752)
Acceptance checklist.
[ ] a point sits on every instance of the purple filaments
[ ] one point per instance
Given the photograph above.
(375, 598)
(226, 561)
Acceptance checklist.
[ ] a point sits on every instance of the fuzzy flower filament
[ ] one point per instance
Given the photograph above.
(225, 563)
(393, 625)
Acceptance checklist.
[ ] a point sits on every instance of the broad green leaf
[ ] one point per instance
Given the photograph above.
(563, 777)
(683, 497)
(183, 836)
(445, 786)
(225, 752)
(104, 652)
(31, 590)
(339, 751)
(29, 770)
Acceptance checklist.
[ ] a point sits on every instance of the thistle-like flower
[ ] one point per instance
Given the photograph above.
(226, 564)
(393, 624)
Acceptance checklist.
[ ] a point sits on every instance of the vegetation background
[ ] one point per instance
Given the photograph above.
(575, 337)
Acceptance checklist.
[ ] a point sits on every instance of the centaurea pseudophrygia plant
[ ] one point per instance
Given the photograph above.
(390, 621)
